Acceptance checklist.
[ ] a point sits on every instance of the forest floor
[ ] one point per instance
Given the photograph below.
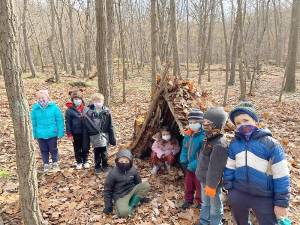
(75, 197)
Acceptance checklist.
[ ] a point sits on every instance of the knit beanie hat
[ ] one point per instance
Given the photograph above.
(217, 115)
(75, 94)
(195, 114)
(244, 108)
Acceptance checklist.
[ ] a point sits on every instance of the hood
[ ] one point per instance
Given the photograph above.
(124, 153)
(37, 105)
(261, 132)
(190, 132)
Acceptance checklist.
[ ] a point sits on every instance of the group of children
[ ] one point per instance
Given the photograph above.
(252, 168)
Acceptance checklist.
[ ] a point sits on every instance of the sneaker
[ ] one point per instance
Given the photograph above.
(46, 168)
(55, 167)
(186, 205)
(78, 166)
(86, 165)
(97, 172)
(154, 170)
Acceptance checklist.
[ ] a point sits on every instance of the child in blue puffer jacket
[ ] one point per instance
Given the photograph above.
(47, 126)
(256, 175)
(191, 146)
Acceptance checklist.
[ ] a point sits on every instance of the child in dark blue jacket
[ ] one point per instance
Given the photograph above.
(256, 175)
(191, 146)
(74, 127)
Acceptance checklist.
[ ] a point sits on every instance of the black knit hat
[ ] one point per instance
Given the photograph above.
(195, 114)
(217, 115)
(244, 108)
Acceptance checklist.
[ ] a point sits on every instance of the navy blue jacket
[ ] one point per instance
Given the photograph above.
(74, 120)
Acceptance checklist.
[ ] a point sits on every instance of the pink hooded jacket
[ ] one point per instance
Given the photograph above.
(165, 148)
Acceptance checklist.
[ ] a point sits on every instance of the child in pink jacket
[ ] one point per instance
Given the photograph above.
(164, 150)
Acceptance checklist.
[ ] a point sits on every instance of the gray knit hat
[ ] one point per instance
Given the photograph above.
(195, 114)
(217, 115)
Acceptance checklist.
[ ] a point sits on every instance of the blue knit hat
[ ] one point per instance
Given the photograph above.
(195, 114)
(244, 108)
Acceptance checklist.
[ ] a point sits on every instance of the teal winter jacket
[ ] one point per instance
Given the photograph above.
(47, 122)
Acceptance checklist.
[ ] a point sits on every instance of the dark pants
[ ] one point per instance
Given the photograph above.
(81, 151)
(242, 202)
(191, 185)
(100, 156)
(47, 147)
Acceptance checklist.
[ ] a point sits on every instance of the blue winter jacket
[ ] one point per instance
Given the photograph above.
(191, 146)
(258, 167)
(47, 122)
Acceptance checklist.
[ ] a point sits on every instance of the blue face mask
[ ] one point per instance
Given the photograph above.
(195, 126)
(246, 130)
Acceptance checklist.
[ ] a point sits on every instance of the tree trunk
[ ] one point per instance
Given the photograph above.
(72, 39)
(226, 54)
(153, 46)
(27, 49)
(240, 49)
(173, 29)
(290, 69)
(101, 51)
(278, 32)
(87, 38)
(187, 39)
(19, 110)
(63, 49)
(234, 52)
(110, 40)
(50, 42)
(122, 42)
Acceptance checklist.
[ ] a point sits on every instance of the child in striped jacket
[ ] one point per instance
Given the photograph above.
(256, 175)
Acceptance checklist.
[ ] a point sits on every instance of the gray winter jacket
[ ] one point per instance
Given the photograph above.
(118, 183)
(212, 160)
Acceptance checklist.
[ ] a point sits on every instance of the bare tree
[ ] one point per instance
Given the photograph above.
(122, 43)
(110, 39)
(26, 44)
(173, 32)
(50, 41)
(59, 17)
(25, 154)
(154, 31)
(234, 52)
(290, 69)
(187, 39)
(101, 51)
(72, 37)
(87, 40)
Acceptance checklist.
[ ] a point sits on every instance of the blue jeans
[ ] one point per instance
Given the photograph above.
(211, 208)
(47, 147)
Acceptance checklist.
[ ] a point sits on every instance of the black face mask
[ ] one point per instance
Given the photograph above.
(123, 166)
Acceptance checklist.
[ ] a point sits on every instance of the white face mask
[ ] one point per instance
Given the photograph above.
(166, 137)
(195, 126)
(98, 105)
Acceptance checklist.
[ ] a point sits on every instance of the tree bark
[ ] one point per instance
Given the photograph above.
(290, 69)
(101, 54)
(87, 38)
(153, 46)
(234, 52)
(26, 44)
(173, 29)
(187, 39)
(72, 39)
(110, 39)
(50, 42)
(19, 110)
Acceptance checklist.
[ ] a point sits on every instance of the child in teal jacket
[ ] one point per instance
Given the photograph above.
(47, 126)
(191, 146)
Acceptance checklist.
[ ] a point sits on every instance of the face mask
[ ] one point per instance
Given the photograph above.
(195, 126)
(98, 105)
(43, 102)
(77, 102)
(246, 130)
(166, 137)
(123, 166)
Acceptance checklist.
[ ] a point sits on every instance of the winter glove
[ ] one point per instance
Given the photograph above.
(211, 192)
(107, 210)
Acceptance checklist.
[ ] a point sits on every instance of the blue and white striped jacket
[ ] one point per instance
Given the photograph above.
(258, 167)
